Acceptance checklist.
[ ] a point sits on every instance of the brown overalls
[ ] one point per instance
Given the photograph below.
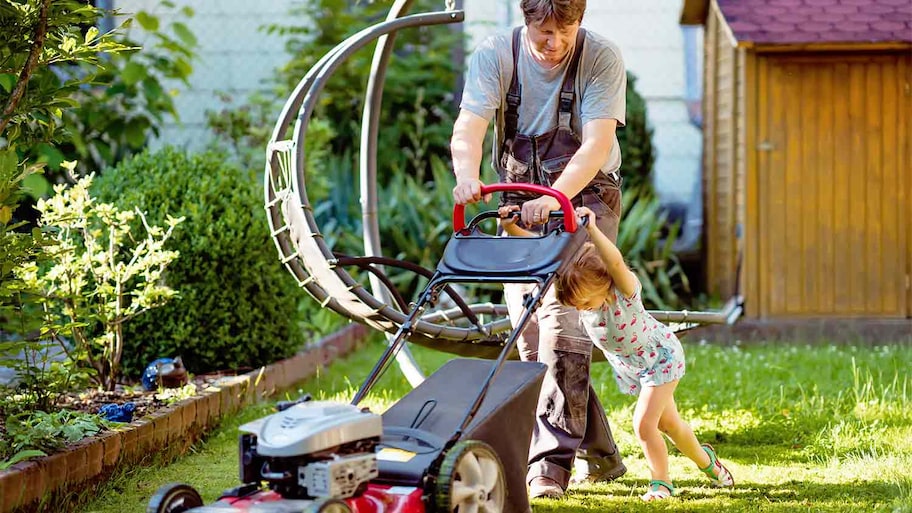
(554, 335)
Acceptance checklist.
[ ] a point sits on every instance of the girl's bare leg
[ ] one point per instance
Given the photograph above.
(650, 408)
(682, 435)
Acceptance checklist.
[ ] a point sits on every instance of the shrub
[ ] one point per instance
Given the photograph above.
(37, 433)
(39, 38)
(237, 307)
(635, 140)
(104, 273)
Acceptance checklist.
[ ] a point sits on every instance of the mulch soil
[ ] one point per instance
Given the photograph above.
(146, 402)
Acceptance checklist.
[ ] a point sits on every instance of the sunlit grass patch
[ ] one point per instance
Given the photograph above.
(802, 427)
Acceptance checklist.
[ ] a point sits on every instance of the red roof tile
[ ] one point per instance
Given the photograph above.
(819, 21)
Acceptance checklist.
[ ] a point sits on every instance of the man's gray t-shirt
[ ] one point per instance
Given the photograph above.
(601, 84)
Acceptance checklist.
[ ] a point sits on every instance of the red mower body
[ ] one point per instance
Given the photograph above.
(376, 499)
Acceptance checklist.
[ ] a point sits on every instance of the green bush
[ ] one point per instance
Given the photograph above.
(238, 308)
(635, 140)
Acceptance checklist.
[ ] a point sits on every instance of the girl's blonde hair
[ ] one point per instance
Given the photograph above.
(586, 276)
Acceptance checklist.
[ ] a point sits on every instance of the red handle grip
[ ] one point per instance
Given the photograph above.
(566, 206)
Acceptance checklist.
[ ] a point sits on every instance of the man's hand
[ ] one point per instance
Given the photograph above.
(468, 190)
(538, 210)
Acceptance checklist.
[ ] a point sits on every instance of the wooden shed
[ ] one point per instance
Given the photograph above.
(807, 161)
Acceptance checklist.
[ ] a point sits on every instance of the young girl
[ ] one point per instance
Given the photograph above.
(646, 356)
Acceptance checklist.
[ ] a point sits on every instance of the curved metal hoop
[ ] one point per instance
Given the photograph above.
(301, 245)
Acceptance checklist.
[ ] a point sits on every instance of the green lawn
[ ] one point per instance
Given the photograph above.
(802, 428)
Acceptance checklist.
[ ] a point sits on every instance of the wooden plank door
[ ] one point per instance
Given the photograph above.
(833, 220)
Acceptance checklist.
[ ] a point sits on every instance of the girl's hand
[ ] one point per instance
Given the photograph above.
(508, 220)
(587, 214)
(506, 215)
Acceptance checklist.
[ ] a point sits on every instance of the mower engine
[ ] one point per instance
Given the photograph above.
(312, 450)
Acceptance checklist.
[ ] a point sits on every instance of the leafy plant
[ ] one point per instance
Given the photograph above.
(42, 376)
(104, 273)
(39, 34)
(646, 241)
(129, 98)
(238, 307)
(171, 396)
(39, 433)
(16, 247)
(39, 38)
(22, 455)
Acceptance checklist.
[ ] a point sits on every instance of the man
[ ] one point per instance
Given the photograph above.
(556, 112)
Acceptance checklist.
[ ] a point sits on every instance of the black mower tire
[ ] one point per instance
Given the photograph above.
(174, 498)
(486, 478)
(329, 506)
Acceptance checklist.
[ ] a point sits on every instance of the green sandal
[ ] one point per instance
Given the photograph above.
(718, 475)
(659, 490)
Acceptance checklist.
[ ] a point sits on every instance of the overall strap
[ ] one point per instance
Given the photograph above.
(565, 106)
(514, 95)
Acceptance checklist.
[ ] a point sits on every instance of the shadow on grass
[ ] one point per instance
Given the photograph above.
(695, 496)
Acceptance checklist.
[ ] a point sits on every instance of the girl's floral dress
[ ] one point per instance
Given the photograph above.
(641, 350)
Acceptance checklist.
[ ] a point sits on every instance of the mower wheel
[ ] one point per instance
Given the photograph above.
(174, 498)
(329, 506)
(471, 479)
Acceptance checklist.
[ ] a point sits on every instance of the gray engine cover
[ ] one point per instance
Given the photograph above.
(312, 427)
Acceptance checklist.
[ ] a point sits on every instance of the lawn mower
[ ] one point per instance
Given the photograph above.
(442, 447)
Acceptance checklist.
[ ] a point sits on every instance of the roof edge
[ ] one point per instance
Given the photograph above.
(825, 47)
(694, 12)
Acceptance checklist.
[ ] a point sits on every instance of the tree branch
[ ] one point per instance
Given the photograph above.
(30, 64)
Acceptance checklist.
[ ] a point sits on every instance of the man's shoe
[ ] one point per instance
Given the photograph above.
(597, 470)
(542, 486)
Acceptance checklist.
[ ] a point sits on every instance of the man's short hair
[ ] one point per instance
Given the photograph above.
(563, 12)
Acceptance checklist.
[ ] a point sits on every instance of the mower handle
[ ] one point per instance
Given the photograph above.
(566, 206)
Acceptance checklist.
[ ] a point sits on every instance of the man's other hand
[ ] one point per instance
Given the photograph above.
(468, 190)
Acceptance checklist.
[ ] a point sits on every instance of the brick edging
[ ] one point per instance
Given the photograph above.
(25, 484)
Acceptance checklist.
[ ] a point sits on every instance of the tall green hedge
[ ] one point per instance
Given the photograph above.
(635, 140)
(238, 307)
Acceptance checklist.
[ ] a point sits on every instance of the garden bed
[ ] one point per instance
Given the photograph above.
(37, 485)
